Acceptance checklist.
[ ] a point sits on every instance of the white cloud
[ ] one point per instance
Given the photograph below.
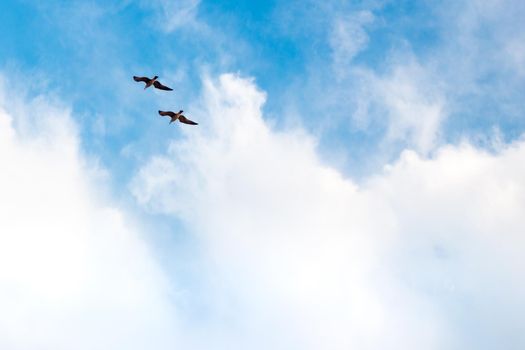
(73, 271)
(421, 256)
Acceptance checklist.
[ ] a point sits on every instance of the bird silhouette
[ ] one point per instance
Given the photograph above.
(177, 116)
(153, 82)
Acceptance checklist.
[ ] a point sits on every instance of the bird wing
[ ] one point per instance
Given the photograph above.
(185, 120)
(143, 79)
(166, 114)
(161, 87)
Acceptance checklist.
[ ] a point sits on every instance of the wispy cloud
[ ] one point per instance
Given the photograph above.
(348, 38)
(409, 98)
(446, 71)
(173, 15)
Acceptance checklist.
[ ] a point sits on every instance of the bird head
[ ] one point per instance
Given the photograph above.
(155, 77)
(181, 111)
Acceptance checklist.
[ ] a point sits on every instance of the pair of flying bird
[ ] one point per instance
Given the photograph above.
(156, 84)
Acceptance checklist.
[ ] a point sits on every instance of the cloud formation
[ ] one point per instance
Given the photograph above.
(289, 253)
(425, 254)
(297, 256)
(74, 273)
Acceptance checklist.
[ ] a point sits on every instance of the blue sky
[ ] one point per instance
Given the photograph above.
(73, 45)
(317, 201)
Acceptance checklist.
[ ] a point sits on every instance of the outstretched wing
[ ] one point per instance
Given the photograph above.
(161, 87)
(185, 120)
(166, 114)
(143, 79)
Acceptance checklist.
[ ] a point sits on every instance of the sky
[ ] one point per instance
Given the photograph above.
(356, 180)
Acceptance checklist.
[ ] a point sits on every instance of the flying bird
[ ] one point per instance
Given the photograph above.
(174, 116)
(153, 82)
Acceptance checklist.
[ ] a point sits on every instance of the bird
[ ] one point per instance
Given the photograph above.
(174, 116)
(153, 82)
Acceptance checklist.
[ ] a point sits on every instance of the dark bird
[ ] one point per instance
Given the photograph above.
(153, 82)
(174, 116)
